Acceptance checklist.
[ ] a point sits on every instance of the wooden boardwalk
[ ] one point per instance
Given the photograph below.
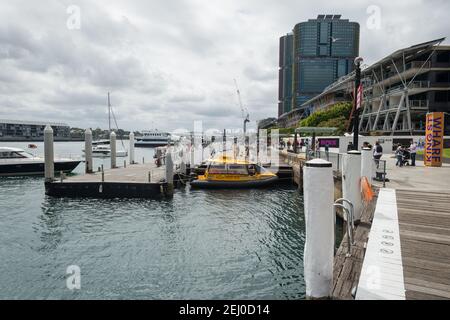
(424, 221)
(347, 269)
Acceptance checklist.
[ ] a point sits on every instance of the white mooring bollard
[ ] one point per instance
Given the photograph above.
(112, 144)
(169, 174)
(88, 150)
(49, 156)
(318, 190)
(351, 182)
(131, 148)
(367, 164)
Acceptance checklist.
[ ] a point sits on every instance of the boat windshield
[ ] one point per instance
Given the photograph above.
(15, 155)
(233, 168)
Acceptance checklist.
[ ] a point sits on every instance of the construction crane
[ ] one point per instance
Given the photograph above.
(245, 114)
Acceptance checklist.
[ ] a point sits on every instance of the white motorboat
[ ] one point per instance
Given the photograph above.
(15, 161)
(105, 151)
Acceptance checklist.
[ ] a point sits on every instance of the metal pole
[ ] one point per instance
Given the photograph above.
(356, 110)
(49, 154)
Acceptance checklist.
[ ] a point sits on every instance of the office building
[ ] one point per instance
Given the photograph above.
(19, 130)
(323, 51)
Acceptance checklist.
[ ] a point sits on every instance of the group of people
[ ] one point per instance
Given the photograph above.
(403, 154)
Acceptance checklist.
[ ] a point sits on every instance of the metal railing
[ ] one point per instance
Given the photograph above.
(350, 218)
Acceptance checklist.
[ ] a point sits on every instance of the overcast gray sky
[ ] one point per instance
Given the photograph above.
(168, 63)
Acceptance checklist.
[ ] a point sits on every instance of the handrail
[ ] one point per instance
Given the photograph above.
(352, 210)
(350, 221)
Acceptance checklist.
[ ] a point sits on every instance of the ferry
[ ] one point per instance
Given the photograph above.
(227, 172)
(15, 162)
(152, 138)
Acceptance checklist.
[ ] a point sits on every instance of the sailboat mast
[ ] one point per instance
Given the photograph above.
(109, 113)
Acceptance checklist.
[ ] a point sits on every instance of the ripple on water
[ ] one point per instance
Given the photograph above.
(232, 244)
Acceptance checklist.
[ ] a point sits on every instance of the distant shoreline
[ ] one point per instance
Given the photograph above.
(42, 140)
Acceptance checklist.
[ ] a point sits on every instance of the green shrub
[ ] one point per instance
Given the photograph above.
(338, 111)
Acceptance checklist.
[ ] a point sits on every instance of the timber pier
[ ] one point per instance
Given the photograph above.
(401, 245)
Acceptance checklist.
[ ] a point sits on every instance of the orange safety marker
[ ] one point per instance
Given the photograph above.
(366, 190)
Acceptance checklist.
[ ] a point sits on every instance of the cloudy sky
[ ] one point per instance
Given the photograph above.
(168, 63)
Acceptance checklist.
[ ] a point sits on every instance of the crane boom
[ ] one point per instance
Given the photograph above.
(245, 115)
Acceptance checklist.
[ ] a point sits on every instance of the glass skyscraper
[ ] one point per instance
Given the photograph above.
(323, 50)
(285, 74)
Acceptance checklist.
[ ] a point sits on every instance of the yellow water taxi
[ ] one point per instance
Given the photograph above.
(227, 172)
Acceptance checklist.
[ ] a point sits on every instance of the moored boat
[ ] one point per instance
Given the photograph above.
(152, 138)
(15, 162)
(224, 172)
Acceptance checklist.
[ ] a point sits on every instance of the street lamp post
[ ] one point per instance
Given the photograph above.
(358, 62)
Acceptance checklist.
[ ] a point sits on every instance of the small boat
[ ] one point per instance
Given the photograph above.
(105, 151)
(152, 138)
(225, 172)
(17, 162)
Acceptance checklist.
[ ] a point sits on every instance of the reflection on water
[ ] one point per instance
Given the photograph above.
(235, 244)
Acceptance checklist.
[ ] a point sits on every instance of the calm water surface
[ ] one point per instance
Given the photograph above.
(243, 244)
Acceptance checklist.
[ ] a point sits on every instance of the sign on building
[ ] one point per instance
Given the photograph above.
(434, 139)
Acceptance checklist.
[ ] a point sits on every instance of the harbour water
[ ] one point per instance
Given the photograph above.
(230, 244)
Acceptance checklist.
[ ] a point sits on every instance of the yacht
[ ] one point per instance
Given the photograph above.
(101, 148)
(152, 138)
(15, 161)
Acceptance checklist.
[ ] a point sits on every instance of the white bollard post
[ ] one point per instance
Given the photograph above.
(112, 144)
(131, 148)
(169, 168)
(88, 150)
(367, 164)
(318, 190)
(169, 175)
(49, 156)
(351, 181)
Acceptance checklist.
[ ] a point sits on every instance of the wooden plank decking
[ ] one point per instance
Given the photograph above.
(424, 221)
(346, 270)
(136, 173)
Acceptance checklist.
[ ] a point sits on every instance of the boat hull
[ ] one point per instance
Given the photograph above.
(217, 184)
(150, 144)
(36, 168)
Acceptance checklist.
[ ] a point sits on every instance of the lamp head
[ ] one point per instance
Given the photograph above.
(358, 60)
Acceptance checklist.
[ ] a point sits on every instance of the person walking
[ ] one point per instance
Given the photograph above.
(377, 153)
(413, 152)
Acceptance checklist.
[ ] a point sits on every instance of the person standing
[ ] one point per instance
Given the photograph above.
(327, 151)
(413, 152)
(399, 156)
(377, 153)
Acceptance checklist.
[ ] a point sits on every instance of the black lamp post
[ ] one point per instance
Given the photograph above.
(358, 61)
